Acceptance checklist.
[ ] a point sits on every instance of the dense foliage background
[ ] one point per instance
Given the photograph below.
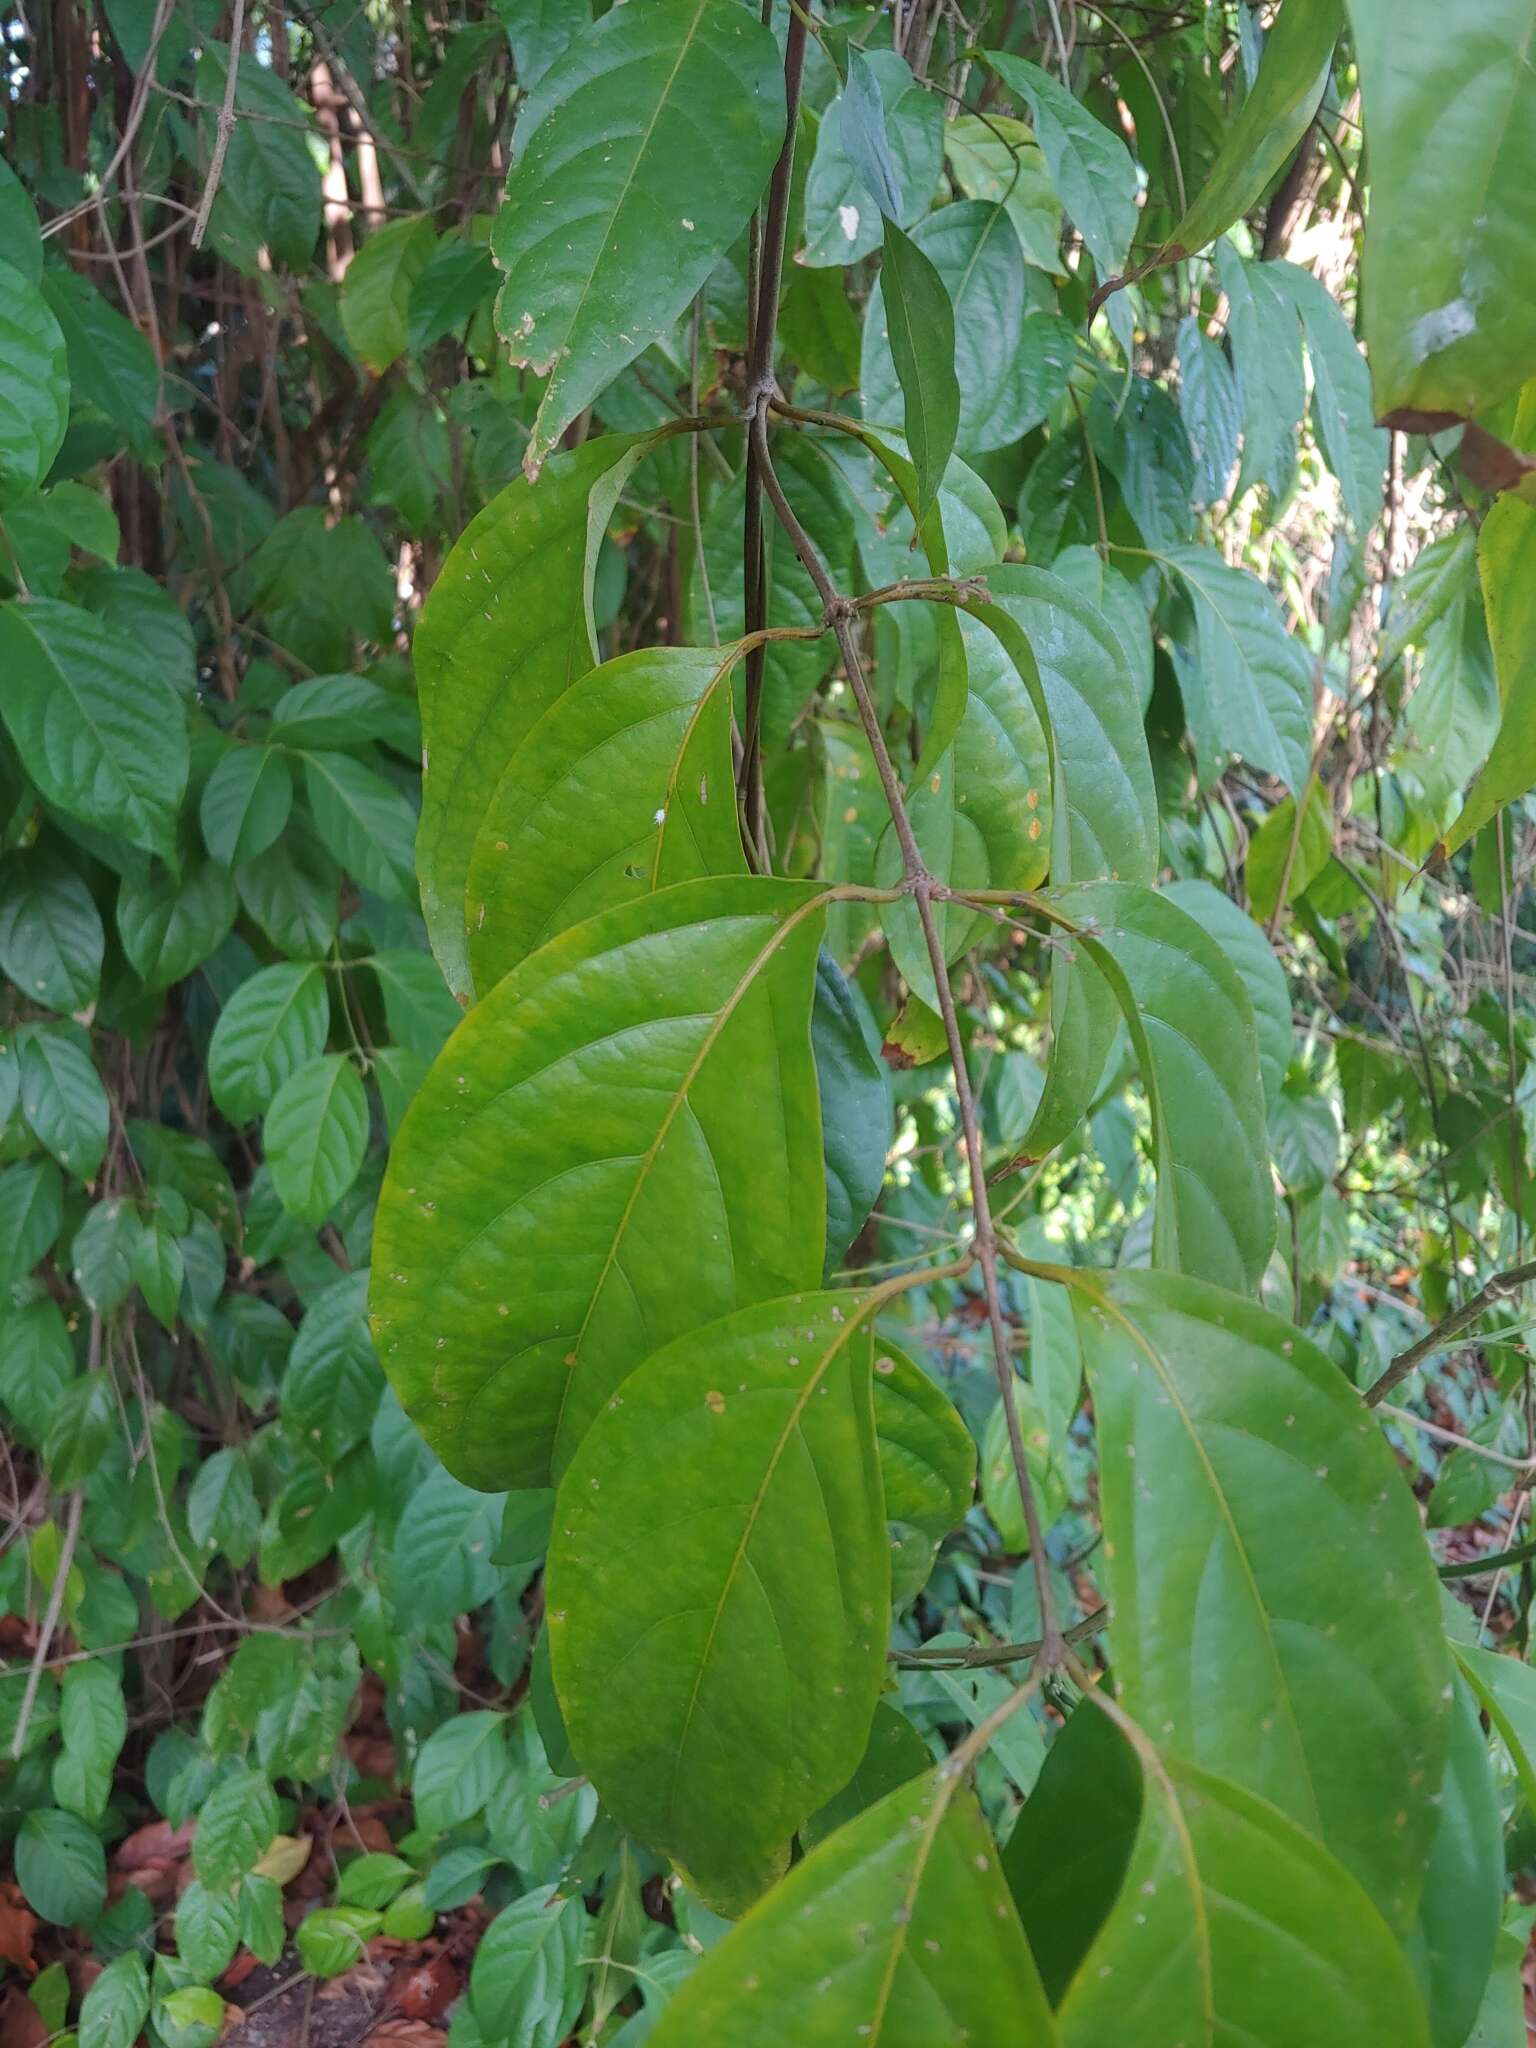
(277, 1725)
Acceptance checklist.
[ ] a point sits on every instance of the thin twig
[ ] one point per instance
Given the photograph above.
(50, 1623)
(988, 1655)
(224, 126)
(1499, 1288)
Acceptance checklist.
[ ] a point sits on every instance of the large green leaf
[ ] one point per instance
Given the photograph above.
(34, 385)
(576, 1182)
(1450, 117)
(62, 1096)
(365, 822)
(841, 225)
(51, 940)
(1506, 560)
(271, 1026)
(855, 1106)
(995, 157)
(920, 323)
(927, 1455)
(1254, 678)
(1451, 720)
(1092, 168)
(1011, 365)
(1190, 1911)
(1354, 448)
(718, 1661)
(1275, 1608)
(112, 366)
(1452, 1944)
(102, 736)
(245, 804)
(1191, 1023)
(170, 924)
(1266, 361)
(624, 785)
(1257, 143)
(314, 1136)
(641, 153)
(270, 178)
(507, 627)
(895, 1931)
(1253, 957)
(376, 291)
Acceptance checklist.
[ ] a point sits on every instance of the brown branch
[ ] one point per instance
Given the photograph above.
(1499, 1288)
(50, 1623)
(224, 127)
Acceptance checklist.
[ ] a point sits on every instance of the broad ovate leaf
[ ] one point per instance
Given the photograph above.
(1450, 117)
(718, 1654)
(896, 1931)
(100, 733)
(641, 153)
(1275, 1608)
(1091, 168)
(620, 1143)
(507, 627)
(1170, 1905)
(624, 785)
(1248, 951)
(1254, 678)
(34, 385)
(315, 1135)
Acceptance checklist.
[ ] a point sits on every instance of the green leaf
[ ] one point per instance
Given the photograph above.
(117, 2004)
(51, 940)
(1258, 141)
(999, 1477)
(61, 1867)
(112, 367)
(376, 291)
(365, 822)
(1091, 168)
(1452, 1943)
(62, 1097)
(102, 736)
(460, 1766)
(290, 892)
(93, 1721)
(235, 1825)
(1194, 1911)
(997, 159)
(315, 1134)
(1006, 384)
(372, 1880)
(507, 627)
(920, 322)
(133, 603)
(332, 1385)
(1354, 449)
(207, 1930)
(1450, 722)
(1249, 952)
(718, 1669)
(417, 1006)
(21, 241)
(274, 1024)
(841, 225)
(927, 1455)
(641, 152)
(444, 1548)
(80, 1429)
(1211, 409)
(1506, 560)
(540, 31)
(335, 1938)
(1286, 858)
(624, 785)
(599, 1217)
(34, 385)
(31, 1210)
(1506, 1690)
(245, 804)
(860, 115)
(104, 1255)
(1331, 1700)
(938, 1957)
(1448, 320)
(222, 1512)
(817, 327)
(270, 179)
(525, 1983)
(169, 925)
(855, 1108)
(1254, 678)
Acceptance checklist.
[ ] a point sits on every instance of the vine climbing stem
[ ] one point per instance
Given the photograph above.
(840, 613)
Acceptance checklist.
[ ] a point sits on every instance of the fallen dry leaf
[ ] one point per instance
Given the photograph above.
(18, 1925)
(405, 2034)
(159, 1842)
(427, 1990)
(21, 2024)
(285, 1857)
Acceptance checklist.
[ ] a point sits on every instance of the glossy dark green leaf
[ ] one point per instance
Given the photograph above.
(641, 152)
(897, 1930)
(376, 291)
(170, 924)
(34, 385)
(314, 1136)
(1506, 559)
(575, 1183)
(102, 737)
(365, 822)
(927, 1455)
(245, 804)
(540, 31)
(1212, 411)
(51, 940)
(1250, 953)
(1452, 1943)
(61, 1867)
(275, 1023)
(718, 1687)
(1257, 143)
(1248, 1651)
(624, 785)
(894, 1755)
(1448, 321)
(507, 628)
(62, 1096)
(112, 367)
(525, 1984)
